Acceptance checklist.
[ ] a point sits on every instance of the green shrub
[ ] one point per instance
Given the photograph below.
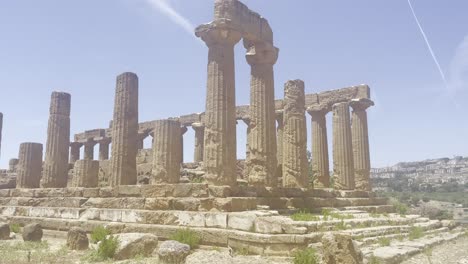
(400, 208)
(415, 232)
(187, 236)
(107, 247)
(340, 226)
(306, 256)
(15, 228)
(304, 216)
(384, 241)
(374, 260)
(99, 234)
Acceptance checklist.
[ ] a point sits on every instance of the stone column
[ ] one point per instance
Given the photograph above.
(183, 130)
(220, 114)
(85, 174)
(104, 148)
(320, 162)
(12, 165)
(360, 139)
(89, 149)
(29, 166)
(279, 137)
(75, 151)
(343, 164)
(58, 141)
(166, 152)
(295, 165)
(199, 129)
(141, 140)
(125, 131)
(246, 121)
(261, 163)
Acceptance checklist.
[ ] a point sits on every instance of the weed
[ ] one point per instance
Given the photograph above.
(15, 228)
(415, 232)
(374, 260)
(99, 233)
(384, 241)
(306, 256)
(187, 236)
(304, 216)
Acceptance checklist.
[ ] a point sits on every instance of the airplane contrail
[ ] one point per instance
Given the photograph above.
(165, 7)
(429, 46)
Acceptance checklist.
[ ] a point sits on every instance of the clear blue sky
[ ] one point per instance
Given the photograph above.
(80, 46)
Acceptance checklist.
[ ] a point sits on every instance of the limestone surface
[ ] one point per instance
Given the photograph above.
(85, 173)
(166, 152)
(173, 252)
(32, 232)
(295, 163)
(340, 248)
(58, 140)
(125, 131)
(77, 239)
(220, 115)
(29, 166)
(199, 129)
(4, 231)
(133, 244)
(343, 164)
(320, 162)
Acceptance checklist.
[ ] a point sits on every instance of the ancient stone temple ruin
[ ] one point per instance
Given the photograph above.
(133, 189)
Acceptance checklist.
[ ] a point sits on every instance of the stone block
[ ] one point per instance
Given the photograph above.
(22, 192)
(106, 192)
(239, 204)
(241, 221)
(5, 193)
(128, 191)
(131, 216)
(192, 219)
(157, 190)
(91, 192)
(110, 215)
(186, 204)
(268, 225)
(215, 219)
(219, 191)
(190, 190)
(158, 203)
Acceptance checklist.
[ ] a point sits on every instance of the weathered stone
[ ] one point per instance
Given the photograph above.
(295, 163)
(173, 252)
(4, 231)
(340, 248)
(205, 257)
(133, 244)
(219, 157)
(261, 162)
(30, 165)
(85, 174)
(166, 152)
(77, 239)
(279, 144)
(320, 163)
(125, 131)
(58, 141)
(75, 151)
(360, 139)
(199, 129)
(13, 165)
(32, 232)
(343, 164)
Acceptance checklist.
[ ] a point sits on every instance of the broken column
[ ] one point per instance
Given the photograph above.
(199, 129)
(295, 163)
(183, 130)
(85, 174)
(360, 139)
(58, 141)
(75, 151)
(320, 162)
(30, 165)
(261, 162)
(166, 152)
(246, 121)
(279, 143)
(343, 164)
(13, 165)
(124, 131)
(220, 115)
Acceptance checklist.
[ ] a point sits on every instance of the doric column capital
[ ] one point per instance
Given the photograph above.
(261, 53)
(103, 140)
(279, 115)
(219, 32)
(198, 126)
(318, 110)
(76, 144)
(361, 104)
(183, 130)
(90, 142)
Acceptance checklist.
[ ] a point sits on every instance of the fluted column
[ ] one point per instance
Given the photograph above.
(29, 166)
(360, 138)
(75, 151)
(279, 143)
(85, 174)
(141, 139)
(183, 130)
(124, 131)
(104, 148)
(55, 173)
(246, 121)
(166, 152)
(199, 129)
(261, 163)
(89, 149)
(13, 165)
(295, 163)
(220, 114)
(343, 164)
(320, 161)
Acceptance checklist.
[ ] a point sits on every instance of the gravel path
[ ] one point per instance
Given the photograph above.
(454, 252)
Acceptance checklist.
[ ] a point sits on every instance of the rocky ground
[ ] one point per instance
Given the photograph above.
(454, 252)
